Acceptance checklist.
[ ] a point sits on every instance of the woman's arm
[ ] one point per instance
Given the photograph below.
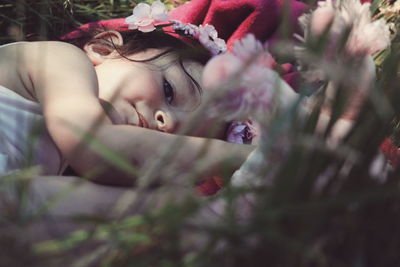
(65, 84)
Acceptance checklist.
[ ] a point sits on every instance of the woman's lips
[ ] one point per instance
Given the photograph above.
(142, 121)
(117, 118)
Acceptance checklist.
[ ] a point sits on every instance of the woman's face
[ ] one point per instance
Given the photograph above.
(158, 95)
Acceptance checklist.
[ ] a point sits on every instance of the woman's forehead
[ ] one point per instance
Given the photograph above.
(194, 69)
(164, 60)
(190, 79)
(173, 59)
(183, 74)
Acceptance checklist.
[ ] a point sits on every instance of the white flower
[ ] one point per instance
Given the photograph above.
(208, 37)
(369, 39)
(249, 48)
(321, 18)
(186, 28)
(336, 19)
(366, 36)
(391, 9)
(145, 17)
(207, 32)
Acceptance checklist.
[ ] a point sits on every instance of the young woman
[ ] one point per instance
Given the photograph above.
(128, 93)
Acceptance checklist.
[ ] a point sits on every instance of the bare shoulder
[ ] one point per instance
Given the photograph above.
(27, 65)
(58, 57)
(56, 65)
(42, 48)
(55, 52)
(31, 55)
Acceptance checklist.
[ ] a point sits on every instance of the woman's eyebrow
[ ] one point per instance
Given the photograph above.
(192, 85)
(189, 71)
(181, 81)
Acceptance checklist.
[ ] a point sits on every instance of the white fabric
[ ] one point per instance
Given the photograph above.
(24, 139)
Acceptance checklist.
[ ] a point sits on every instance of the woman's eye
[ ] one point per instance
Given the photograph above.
(168, 92)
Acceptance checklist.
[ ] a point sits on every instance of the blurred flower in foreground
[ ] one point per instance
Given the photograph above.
(249, 49)
(366, 36)
(246, 84)
(330, 23)
(392, 9)
(391, 152)
(242, 132)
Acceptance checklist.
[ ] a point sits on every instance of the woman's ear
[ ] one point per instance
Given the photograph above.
(102, 46)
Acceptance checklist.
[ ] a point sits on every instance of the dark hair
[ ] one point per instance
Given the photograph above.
(134, 41)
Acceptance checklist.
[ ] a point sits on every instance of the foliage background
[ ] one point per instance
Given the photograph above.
(48, 19)
(352, 221)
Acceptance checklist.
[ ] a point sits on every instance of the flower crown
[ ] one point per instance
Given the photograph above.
(146, 18)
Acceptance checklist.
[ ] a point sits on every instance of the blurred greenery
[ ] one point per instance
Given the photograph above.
(49, 19)
(350, 219)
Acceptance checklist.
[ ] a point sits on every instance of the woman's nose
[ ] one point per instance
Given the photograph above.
(165, 121)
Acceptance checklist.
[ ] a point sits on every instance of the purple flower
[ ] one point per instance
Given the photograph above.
(241, 132)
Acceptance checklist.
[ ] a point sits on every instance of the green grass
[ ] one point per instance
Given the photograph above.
(349, 219)
(49, 19)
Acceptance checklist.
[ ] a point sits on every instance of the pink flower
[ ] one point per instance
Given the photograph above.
(219, 69)
(249, 48)
(242, 132)
(244, 89)
(145, 17)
